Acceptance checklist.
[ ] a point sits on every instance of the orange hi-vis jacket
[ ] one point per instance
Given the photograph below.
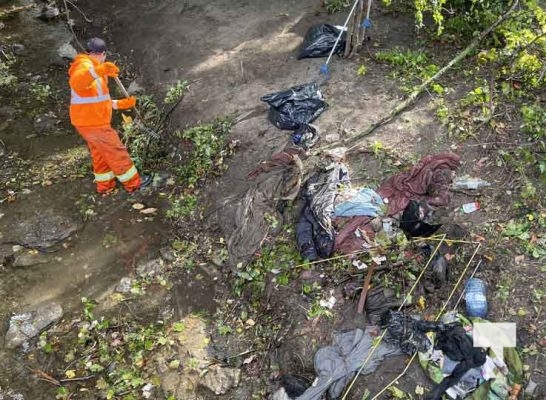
(90, 102)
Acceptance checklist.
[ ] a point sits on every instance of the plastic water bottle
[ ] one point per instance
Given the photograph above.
(476, 301)
(467, 182)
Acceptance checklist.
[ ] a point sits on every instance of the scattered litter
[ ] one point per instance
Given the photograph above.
(360, 265)
(459, 368)
(471, 207)
(379, 259)
(147, 211)
(138, 206)
(320, 39)
(467, 182)
(329, 303)
(248, 360)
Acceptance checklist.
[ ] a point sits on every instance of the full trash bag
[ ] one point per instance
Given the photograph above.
(295, 107)
(319, 41)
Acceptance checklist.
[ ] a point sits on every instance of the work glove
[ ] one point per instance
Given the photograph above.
(124, 104)
(107, 69)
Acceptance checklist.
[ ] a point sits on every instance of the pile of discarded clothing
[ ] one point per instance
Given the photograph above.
(447, 353)
(445, 349)
(352, 217)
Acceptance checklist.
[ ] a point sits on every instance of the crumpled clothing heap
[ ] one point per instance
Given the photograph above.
(485, 376)
(315, 235)
(336, 365)
(273, 181)
(426, 181)
(364, 202)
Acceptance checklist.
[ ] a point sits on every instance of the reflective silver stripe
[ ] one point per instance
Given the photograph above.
(115, 104)
(93, 73)
(76, 99)
(107, 176)
(128, 175)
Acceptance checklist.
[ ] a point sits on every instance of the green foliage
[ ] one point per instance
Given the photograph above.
(529, 233)
(176, 92)
(333, 6)
(208, 151)
(40, 92)
(411, 67)
(534, 120)
(115, 351)
(278, 260)
(182, 206)
(7, 79)
(317, 310)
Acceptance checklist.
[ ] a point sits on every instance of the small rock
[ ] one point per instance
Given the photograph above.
(2, 25)
(167, 253)
(6, 252)
(49, 13)
(135, 88)
(67, 51)
(18, 49)
(124, 285)
(46, 124)
(148, 391)
(8, 394)
(531, 388)
(150, 268)
(29, 259)
(43, 228)
(7, 112)
(25, 326)
(220, 380)
(331, 138)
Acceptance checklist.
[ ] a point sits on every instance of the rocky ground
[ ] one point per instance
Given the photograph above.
(135, 295)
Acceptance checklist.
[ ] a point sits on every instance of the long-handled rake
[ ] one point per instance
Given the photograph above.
(149, 131)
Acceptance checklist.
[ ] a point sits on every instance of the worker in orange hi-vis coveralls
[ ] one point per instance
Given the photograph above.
(91, 114)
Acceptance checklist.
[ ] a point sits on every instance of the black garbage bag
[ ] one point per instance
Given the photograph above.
(319, 41)
(295, 107)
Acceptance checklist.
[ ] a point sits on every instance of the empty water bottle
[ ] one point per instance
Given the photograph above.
(475, 298)
(467, 182)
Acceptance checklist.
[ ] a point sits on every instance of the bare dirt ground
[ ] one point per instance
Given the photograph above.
(232, 53)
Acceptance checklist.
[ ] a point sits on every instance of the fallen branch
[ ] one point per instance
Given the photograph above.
(88, 20)
(417, 92)
(14, 10)
(83, 378)
(45, 376)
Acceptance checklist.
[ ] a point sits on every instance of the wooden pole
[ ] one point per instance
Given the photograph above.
(365, 288)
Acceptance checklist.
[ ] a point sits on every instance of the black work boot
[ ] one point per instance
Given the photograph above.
(145, 181)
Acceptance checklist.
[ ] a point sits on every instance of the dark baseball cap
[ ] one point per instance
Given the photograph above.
(95, 45)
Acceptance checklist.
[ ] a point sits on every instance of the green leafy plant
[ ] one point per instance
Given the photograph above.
(333, 6)
(208, 150)
(7, 79)
(176, 92)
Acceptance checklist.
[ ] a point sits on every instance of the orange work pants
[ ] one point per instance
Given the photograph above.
(110, 159)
